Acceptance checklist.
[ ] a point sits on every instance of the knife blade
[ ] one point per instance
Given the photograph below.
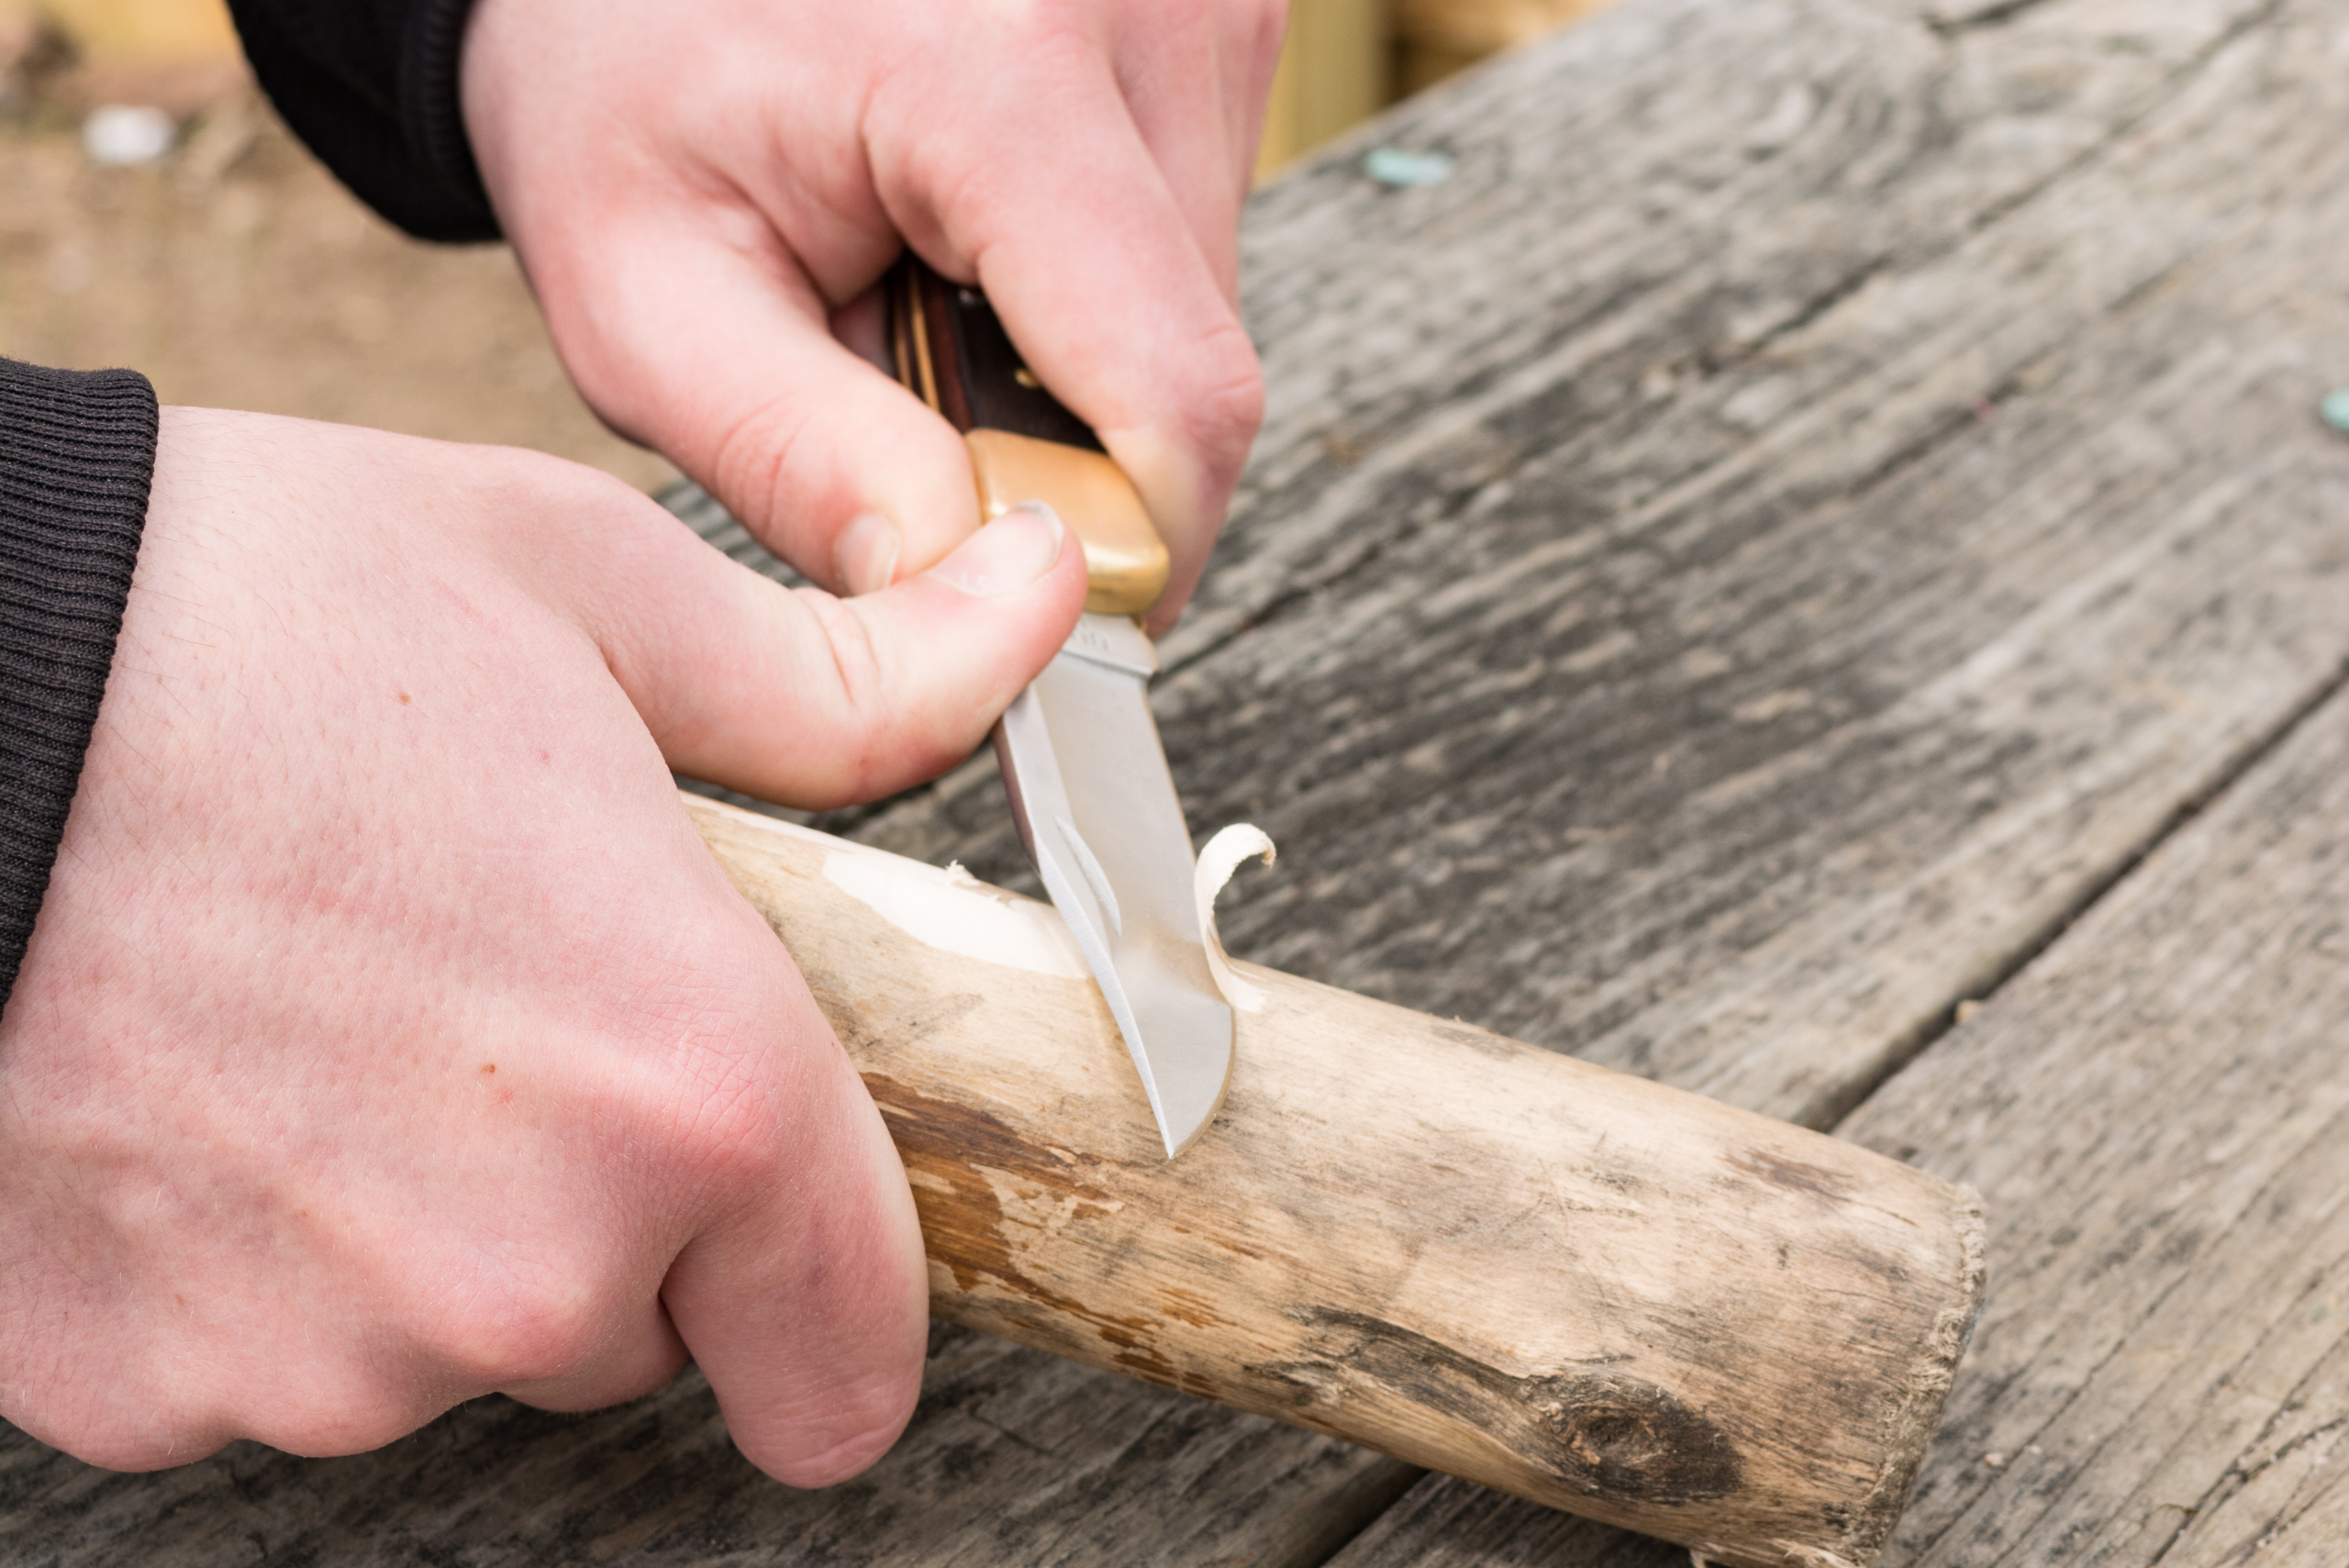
(1090, 791)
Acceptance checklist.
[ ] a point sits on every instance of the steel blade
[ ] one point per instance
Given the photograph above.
(1096, 809)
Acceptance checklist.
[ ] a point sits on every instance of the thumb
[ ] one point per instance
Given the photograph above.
(799, 698)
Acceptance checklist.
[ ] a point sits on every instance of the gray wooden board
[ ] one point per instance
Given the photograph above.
(2157, 1115)
(1813, 495)
(1015, 1457)
(1720, 691)
(2157, 1111)
(1787, 699)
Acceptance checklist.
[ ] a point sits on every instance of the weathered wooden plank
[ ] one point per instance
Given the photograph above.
(2234, 238)
(1728, 730)
(1013, 1457)
(1770, 696)
(2157, 1113)
(2187, 259)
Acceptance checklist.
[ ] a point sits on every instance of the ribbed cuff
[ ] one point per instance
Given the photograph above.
(77, 455)
(371, 86)
(432, 109)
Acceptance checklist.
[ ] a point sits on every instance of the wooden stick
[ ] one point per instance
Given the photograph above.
(1582, 1287)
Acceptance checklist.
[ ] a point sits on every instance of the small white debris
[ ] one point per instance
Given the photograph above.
(121, 136)
(1400, 166)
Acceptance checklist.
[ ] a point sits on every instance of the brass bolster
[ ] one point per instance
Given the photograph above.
(1126, 562)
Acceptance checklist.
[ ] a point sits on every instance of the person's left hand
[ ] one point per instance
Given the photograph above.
(388, 1036)
(705, 197)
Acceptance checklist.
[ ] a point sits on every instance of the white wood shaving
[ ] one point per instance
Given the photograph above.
(1221, 857)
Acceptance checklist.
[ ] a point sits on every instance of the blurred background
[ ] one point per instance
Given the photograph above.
(153, 213)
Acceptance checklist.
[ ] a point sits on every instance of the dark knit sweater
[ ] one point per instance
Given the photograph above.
(371, 86)
(77, 450)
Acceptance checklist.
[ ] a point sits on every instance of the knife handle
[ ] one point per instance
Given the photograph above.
(949, 347)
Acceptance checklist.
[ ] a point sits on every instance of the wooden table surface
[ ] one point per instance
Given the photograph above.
(1807, 568)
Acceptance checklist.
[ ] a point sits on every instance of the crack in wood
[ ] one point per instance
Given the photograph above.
(1604, 1434)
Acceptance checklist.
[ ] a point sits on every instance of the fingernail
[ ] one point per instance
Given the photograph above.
(1009, 552)
(865, 557)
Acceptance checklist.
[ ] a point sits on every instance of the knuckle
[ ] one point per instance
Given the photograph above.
(521, 1327)
(1254, 26)
(841, 1461)
(102, 1396)
(871, 724)
(730, 1127)
(718, 1113)
(752, 458)
(857, 1424)
(348, 1416)
(1272, 24)
(1226, 396)
(108, 1442)
(309, 1411)
(1059, 33)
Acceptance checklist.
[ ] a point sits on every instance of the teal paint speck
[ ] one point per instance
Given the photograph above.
(1395, 166)
(2334, 409)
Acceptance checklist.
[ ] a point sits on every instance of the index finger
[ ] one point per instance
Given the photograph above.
(1103, 287)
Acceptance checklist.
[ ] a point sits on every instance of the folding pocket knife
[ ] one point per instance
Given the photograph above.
(1090, 791)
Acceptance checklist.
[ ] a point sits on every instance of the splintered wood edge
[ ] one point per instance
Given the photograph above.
(1912, 1424)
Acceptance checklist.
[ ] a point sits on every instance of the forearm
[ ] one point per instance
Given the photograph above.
(77, 453)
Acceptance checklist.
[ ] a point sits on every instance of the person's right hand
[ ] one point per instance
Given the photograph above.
(388, 1037)
(704, 196)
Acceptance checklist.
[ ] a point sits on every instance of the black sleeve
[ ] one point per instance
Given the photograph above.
(77, 454)
(371, 86)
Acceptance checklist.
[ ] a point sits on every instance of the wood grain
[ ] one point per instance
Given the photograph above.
(2159, 1111)
(1823, 487)
(1715, 643)
(1015, 1456)
(1575, 1284)
(2218, 216)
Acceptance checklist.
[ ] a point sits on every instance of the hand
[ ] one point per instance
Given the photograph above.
(388, 1037)
(703, 200)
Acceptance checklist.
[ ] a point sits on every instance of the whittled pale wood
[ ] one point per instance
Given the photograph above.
(1570, 1283)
